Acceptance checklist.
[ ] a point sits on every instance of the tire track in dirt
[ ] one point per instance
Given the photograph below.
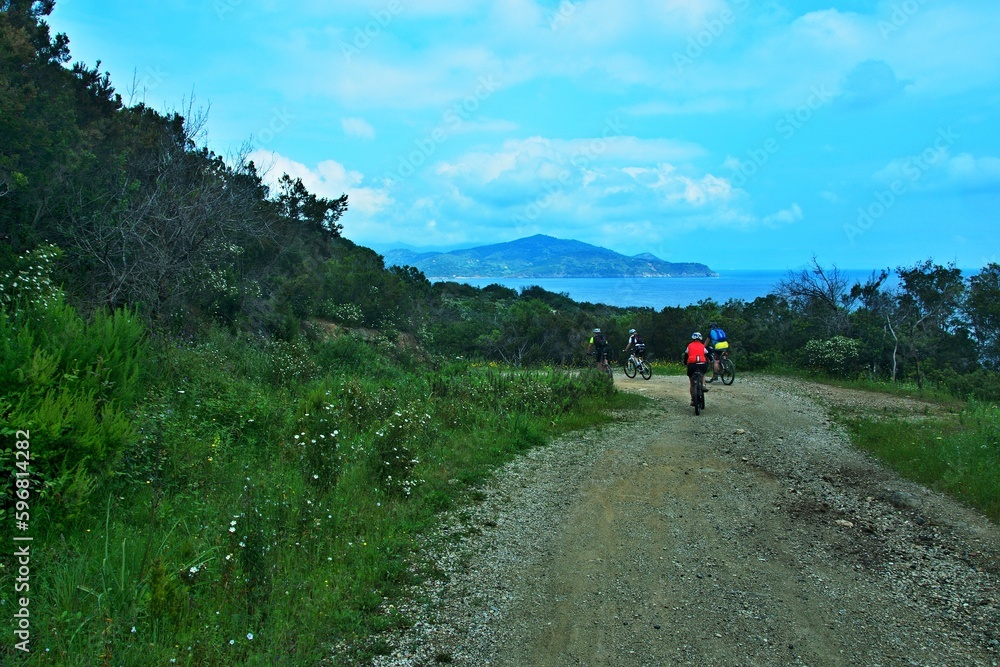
(750, 535)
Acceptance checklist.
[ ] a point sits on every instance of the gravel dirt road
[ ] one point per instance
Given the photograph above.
(750, 535)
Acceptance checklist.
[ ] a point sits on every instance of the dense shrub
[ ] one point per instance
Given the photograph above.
(981, 384)
(72, 384)
(838, 356)
(69, 382)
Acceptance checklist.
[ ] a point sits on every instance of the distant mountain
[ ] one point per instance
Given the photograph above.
(541, 256)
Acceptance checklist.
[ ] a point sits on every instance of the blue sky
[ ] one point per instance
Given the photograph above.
(864, 134)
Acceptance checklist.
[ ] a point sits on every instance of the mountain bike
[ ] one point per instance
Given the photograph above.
(727, 369)
(638, 365)
(605, 365)
(699, 392)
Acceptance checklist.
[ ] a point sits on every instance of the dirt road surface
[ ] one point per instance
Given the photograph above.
(750, 535)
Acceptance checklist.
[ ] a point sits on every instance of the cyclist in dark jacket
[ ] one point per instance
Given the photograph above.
(598, 345)
(717, 343)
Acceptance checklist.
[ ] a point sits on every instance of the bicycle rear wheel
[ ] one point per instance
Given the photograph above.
(728, 371)
(646, 371)
(699, 394)
(630, 368)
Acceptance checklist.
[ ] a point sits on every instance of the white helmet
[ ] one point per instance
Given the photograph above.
(597, 331)
(631, 331)
(696, 335)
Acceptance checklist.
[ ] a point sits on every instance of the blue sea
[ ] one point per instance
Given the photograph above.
(656, 293)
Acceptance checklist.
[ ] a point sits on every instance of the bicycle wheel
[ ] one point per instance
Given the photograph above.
(646, 371)
(728, 371)
(630, 368)
(699, 394)
(606, 367)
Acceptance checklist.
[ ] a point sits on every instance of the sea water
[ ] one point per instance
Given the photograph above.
(657, 293)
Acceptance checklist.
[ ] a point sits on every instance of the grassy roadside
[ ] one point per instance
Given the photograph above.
(269, 497)
(954, 451)
(958, 455)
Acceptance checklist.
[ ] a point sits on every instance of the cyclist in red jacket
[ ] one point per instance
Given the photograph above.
(696, 358)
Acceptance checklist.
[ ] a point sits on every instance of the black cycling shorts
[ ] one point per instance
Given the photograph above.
(701, 366)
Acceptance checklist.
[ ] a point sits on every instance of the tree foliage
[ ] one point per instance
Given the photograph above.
(147, 218)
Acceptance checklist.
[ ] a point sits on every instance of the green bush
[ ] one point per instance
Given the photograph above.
(319, 438)
(395, 447)
(838, 356)
(981, 384)
(72, 384)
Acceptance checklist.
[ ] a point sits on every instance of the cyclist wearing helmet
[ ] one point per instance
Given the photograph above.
(598, 345)
(635, 341)
(696, 358)
(717, 343)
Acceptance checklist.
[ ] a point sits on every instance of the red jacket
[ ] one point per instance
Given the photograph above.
(695, 353)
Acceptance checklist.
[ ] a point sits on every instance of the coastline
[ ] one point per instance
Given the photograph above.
(652, 292)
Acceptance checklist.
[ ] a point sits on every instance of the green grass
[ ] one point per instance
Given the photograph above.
(669, 367)
(931, 392)
(957, 455)
(271, 499)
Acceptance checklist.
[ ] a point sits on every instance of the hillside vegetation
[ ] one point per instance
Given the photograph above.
(542, 256)
(225, 424)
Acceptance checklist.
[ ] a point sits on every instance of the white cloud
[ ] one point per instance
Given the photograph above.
(831, 196)
(540, 157)
(676, 188)
(785, 216)
(942, 47)
(328, 179)
(445, 75)
(870, 83)
(700, 105)
(576, 187)
(967, 172)
(358, 128)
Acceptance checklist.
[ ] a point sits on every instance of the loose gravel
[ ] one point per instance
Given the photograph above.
(753, 534)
